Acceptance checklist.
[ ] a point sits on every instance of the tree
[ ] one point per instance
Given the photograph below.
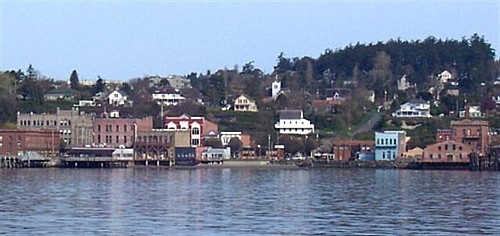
(248, 68)
(99, 85)
(309, 145)
(73, 80)
(235, 144)
(213, 142)
(292, 144)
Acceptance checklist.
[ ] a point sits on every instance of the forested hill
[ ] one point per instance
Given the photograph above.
(379, 65)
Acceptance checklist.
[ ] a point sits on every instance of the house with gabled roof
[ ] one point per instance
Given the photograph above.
(415, 108)
(117, 98)
(245, 103)
(293, 122)
(167, 95)
(337, 94)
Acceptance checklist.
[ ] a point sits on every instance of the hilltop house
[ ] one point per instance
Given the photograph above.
(337, 94)
(445, 77)
(60, 94)
(293, 122)
(168, 96)
(117, 98)
(244, 103)
(471, 112)
(415, 108)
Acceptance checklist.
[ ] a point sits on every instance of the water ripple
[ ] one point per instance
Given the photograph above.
(218, 201)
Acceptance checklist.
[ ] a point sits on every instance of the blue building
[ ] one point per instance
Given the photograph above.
(389, 145)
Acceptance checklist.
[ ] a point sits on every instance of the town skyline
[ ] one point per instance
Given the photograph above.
(102, 39)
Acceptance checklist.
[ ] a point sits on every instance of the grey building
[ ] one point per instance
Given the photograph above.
(74, 126)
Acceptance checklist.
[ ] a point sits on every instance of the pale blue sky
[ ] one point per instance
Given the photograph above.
(121, 40)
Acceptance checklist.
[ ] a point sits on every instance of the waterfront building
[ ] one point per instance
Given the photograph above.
(74, 126)
(389, 145)
(216, 154)
(472, 132)
(199, 127)
(449, 151)
(18, 142)
(157, 144)
(118, 132)
(293, 122)
(346, 150)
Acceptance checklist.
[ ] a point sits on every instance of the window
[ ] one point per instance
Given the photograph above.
(460, 148)
(454, 147)
(439, 156)
(195, 131)
(446, 147)
(117, 139)
(386, 142)
(99, 138)
(388, 154)
(439, 148)
(383, 155)
(117, 128)
(125, 128)
(195, 142)
(430, 156)
(98, 128)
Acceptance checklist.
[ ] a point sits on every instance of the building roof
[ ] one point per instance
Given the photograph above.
(290, 114)
(469, 122)
(166, 90)
(62, 91)
(342, 92)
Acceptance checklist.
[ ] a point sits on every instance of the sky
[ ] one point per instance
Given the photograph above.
(122, 40)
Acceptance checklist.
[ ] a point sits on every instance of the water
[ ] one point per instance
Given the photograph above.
(219, 201)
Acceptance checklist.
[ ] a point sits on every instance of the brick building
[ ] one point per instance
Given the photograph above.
(199, 127)
(345, 150)
(116, 132)
(449, 151)
(15, 141)
(472, 132)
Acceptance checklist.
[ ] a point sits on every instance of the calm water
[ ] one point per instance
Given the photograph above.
(217, 201)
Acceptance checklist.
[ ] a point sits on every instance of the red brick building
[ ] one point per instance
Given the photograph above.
(344, 150)
(198, 127)
(443, 135)
(472, 132)
(116, 132)
(15, 141)
(447, 151)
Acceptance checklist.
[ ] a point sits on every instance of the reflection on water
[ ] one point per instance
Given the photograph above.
(248, 201)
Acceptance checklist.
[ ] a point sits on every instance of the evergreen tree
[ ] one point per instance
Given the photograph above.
(73, 80)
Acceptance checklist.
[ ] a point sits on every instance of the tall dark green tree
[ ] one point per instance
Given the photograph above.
(73, 80)
(99, 85)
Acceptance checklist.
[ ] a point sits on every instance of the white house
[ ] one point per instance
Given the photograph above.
(416, 108)
(445, 76)
(471, 112)
(117, 98)
(226, 136)
(168, 96)
(243, 103)
(293, 122)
